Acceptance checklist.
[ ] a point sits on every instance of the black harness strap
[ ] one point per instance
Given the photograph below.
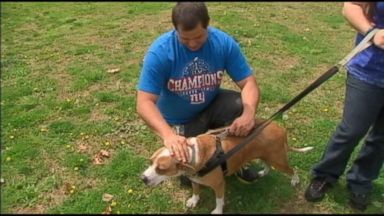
(213, 161)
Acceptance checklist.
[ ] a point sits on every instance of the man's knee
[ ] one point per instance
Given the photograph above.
(229, 105)
(232, 102)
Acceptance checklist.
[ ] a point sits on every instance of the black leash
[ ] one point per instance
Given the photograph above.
(332, 71)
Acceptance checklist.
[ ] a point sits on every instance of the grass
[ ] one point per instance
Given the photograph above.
(60, 107)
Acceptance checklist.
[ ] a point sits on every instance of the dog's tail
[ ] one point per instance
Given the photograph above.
(305, 149)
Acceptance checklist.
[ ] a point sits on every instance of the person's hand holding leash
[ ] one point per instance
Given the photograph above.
(242, 125)
(378, 39)
(177, 145)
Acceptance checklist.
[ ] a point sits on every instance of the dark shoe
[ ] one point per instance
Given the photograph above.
(316, 189)
(247, 175)
(185, 182)
(358, 201)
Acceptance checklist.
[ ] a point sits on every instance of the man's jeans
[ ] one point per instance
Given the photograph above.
(363, 110)
(224, 109)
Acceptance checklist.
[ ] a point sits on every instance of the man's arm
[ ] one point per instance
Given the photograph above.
(250, 93)
(148, 111)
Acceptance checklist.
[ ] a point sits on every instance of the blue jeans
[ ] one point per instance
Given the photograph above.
(363, 115)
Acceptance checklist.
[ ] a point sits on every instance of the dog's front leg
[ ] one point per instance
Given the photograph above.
(191, 202)
(219, 192)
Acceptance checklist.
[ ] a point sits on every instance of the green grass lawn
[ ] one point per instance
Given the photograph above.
(70, 132)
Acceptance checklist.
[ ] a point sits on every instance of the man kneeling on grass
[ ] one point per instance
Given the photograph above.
(179, 92)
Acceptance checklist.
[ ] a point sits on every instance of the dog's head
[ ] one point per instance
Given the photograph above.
(163, 166)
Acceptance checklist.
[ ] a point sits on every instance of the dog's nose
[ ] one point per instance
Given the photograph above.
(144, 178)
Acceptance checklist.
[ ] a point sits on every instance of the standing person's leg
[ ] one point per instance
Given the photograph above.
(358, 115)
(367, 165)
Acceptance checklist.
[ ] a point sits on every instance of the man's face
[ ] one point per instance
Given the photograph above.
(193, 39)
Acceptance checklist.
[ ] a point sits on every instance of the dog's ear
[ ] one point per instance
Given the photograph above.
(156, 153)
(185, 166)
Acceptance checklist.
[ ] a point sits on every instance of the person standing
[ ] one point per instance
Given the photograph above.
(363, 115)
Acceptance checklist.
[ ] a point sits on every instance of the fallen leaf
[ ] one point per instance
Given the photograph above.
(104, 153)
(68, 188)
(107, 210)
(113, 70)
(97, 160)
(82, 147)
(107, 197)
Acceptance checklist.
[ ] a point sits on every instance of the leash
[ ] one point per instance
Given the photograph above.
(328, 74)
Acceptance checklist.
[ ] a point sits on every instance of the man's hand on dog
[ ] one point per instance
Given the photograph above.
(242, 125)
(178, 146)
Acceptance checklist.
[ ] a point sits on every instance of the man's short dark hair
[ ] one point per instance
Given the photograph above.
(187, 15)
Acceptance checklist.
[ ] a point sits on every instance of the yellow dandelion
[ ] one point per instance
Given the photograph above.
(8, 159)
(11, 137)
(113, 203)
(130, 191)
(76, 168)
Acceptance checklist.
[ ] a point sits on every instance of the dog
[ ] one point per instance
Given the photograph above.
(270, 146)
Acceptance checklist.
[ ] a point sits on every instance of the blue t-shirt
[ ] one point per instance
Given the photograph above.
(368, 65)
(187, 81)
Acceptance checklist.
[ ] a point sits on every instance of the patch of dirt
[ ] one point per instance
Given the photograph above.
(299, 205)
(97, 115)
(62, 80)
(38, 209)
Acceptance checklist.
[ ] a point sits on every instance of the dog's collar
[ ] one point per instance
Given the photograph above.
(193, 155)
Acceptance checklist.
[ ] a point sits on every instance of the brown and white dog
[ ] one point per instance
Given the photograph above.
(270, 146)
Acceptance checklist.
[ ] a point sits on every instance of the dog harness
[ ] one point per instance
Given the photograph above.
(217, 156)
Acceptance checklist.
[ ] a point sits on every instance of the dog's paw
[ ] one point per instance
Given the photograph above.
(295, 180)
(192, 202)
(217, 211)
